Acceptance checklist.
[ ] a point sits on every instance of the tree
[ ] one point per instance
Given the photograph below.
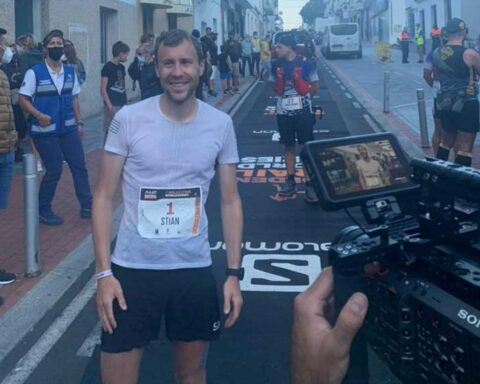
(312, 10)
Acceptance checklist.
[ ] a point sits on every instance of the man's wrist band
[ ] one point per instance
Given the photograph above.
(81, 123)
(101, 275)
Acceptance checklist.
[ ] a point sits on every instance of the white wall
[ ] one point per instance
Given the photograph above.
(206, 11)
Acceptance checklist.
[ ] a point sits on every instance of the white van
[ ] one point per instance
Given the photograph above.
(342, 39)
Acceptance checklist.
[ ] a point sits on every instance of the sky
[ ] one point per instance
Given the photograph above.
(290, 12)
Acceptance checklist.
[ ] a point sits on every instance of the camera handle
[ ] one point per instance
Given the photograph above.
(345, 286)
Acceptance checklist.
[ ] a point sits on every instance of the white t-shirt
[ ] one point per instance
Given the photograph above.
(160, 153)
(29, 84)
(371, 171)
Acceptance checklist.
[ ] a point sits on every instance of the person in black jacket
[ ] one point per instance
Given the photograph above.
(149, 82)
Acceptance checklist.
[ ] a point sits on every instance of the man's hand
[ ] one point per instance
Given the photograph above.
(109, 289)
(233, 301)
(320, 351)
(44, 120)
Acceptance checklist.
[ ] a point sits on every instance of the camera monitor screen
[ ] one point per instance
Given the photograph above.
(348, 171)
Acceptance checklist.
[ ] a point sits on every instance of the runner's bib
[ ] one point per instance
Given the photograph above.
(169, 212)
(292, 103)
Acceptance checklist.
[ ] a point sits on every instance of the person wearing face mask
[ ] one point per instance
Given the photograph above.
(49, 95)
(70, 58)
(112, 88)
(149, 82)
(8, 138)
(10, 65)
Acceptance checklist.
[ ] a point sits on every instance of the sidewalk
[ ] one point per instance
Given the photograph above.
(365, 80)
(55, 243)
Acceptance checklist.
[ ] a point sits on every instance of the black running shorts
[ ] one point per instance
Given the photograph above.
(466, 121)
(186, 298)
(297, 127)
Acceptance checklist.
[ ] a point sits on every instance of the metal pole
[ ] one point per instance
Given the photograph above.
(422, 116)
(30, 200)
(386, 92)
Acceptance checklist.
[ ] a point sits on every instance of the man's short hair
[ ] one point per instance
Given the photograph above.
(196, 33)
(455, 26)
(288, 41)
(176, 37)
(50, 35)
(119, 47)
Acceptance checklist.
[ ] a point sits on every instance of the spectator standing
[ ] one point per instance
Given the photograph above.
(49, 94)
(295, 80)
(136, 65)
(265, 56)
(11, 67)
(256, 54)
(199, 91)
(246, 55)
(29, 54)
(436, 35)
(8, 139)
(420, 42)
(225, 68)
(213, 52)
(112, 88)
(149, 82)
(404, 44)
(234, 50)
(72, 59)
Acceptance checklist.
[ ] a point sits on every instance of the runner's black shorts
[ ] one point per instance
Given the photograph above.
(186, 298)
(296, 128)
(466, 121)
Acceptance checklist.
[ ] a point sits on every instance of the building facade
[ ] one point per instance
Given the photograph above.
(430, 12)
(94, 25)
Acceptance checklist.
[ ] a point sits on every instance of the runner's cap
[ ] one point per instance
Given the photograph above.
(455, 25)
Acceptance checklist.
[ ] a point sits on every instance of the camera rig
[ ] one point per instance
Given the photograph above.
(424, 298)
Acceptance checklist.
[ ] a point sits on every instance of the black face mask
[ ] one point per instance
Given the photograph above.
(55, 53)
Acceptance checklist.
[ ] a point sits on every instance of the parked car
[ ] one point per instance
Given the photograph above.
(342, 39)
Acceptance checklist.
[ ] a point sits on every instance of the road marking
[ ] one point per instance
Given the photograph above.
(37, 353)
(371, 123)
(338, 82)
(276, 136)
(88, 346)
(349, 95)
(357, 105)
(343, 88)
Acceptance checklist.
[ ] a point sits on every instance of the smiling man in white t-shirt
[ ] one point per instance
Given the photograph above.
(166, 150)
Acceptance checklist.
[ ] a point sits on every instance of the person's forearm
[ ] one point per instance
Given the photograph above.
(314, 88)
(28, 107)
(76, 109)
(232, 222)
(102, 211)
(106, 99)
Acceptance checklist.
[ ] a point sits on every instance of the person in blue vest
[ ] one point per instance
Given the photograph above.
(49, 95)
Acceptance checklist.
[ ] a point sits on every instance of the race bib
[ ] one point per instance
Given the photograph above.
(169, 212)
(292, 103)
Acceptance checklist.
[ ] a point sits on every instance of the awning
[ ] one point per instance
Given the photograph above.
(158, 3)
(181, 8)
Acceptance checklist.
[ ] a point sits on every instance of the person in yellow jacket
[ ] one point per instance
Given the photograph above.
(264, 56)
(420, 42)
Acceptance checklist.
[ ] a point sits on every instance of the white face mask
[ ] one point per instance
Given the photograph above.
(7, 55)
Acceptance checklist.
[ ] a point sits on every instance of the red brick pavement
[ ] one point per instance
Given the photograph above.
(54, 242)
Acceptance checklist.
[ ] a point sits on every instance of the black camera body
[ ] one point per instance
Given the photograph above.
(424, 297)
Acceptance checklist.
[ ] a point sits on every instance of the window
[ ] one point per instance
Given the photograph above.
(343, 29)
(108, 32)
(27, 17)
(214, 25)
(434, 15)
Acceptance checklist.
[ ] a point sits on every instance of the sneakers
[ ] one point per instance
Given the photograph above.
(288, 188)
(86, 212)
(310, 195)
(50, 218)
(6, 277)
(212, 93)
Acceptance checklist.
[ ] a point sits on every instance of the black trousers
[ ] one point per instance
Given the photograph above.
(405, 50)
